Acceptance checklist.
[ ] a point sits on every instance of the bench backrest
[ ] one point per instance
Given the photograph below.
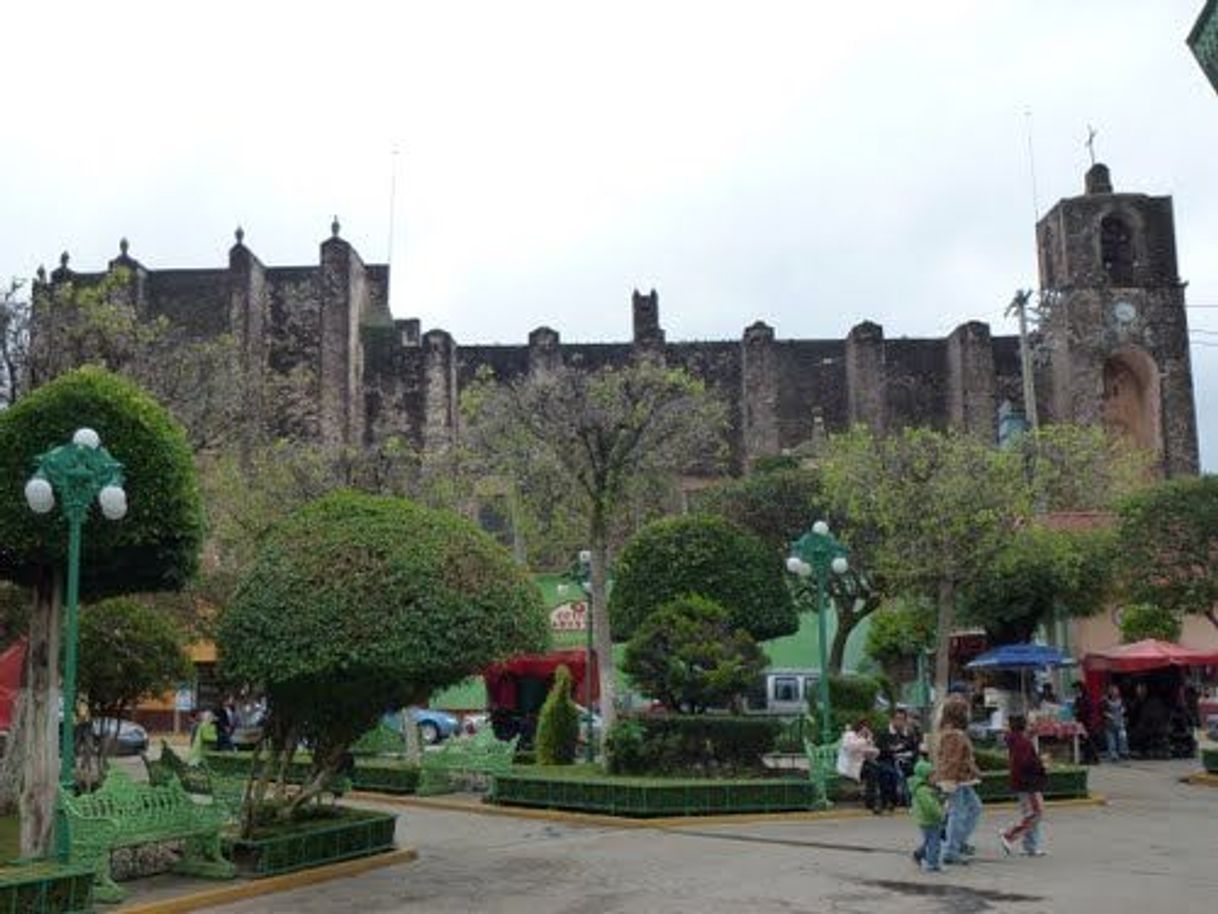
(135, 807)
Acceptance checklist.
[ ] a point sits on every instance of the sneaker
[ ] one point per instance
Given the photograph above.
(1038, 852)
(932, 869)
(1008, 846)
(969, 850)
(917, 858)
(954, 861)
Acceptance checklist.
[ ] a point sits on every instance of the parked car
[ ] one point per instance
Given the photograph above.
(122, 737)
(434, 725)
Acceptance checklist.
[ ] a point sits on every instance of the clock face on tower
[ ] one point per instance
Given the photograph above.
(1124, 312)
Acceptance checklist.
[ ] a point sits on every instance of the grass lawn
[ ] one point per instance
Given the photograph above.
(10, 838)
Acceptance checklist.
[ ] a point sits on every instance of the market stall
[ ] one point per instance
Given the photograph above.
(1047, 722)
(1158, 681)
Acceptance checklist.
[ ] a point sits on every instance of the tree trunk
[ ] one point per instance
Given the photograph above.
(37, 729)
(943, 636)
(847, 622)
(602, 637)
(410, 731)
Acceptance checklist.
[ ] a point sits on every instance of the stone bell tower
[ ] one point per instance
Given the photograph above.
(1115, 321)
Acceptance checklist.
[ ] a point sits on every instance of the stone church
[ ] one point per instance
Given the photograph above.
(1112, 347)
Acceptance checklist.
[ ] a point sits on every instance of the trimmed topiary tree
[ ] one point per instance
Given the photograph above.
(155, 547)
(707, 556)
(688, 655)
(357, 604)
(558, 723)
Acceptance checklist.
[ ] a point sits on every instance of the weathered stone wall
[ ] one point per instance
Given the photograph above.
(324, 358)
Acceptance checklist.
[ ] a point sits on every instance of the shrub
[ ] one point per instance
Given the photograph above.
(991, 759)
(1145, 620)
(357, 603)
(687, 655)
(709, 557)
(699, 744)
(558, 723)
(156, 546)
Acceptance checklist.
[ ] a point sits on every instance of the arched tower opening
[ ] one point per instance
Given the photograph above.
(1116, 249)
(1132, 400)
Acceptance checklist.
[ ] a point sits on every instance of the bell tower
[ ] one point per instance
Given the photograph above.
(1115, 322)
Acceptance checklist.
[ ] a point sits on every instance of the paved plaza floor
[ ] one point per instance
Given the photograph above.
(1153, 848)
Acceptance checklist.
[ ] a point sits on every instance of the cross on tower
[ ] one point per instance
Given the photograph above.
(1090, 144)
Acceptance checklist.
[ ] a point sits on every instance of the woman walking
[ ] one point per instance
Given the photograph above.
(957, 775)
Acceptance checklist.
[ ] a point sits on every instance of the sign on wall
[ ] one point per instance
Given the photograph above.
(569, 617)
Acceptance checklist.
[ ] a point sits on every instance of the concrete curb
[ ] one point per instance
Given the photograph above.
(1201, 778)
(270, 885)
(593, 820)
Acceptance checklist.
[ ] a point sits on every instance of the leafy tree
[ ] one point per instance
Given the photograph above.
(1145, 620)
(1082, 468)
(778, 506)
(558, 723)
(594, 442)
(129, 650)
(943, 505)
(358, 603)
(690, 655)
(1167, 537)
(900, 630)
(155, 547)
(97, 323)
(14, 342)
(707, 556)
(1039, 574)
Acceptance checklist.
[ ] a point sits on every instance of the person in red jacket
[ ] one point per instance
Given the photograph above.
(1028, 782)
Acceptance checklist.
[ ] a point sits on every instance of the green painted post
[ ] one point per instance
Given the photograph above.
(585, 567)
(77, 473)
(818, 553)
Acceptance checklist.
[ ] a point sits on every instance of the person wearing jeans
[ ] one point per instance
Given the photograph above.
(1114, 725)
(957, 773)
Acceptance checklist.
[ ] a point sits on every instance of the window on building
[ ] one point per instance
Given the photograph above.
(786, 688)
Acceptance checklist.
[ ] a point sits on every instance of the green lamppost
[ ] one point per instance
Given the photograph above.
(76, 473)
(585, 583)
(818, 553)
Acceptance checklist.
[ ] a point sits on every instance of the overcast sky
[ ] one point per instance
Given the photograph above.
(810, 164)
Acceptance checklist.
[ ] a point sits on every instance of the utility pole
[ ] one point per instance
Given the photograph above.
(1019, 308)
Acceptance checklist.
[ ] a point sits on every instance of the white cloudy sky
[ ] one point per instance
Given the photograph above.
(812, 164)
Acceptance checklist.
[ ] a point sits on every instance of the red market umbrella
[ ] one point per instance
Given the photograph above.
(1147, 655)
(11, 662)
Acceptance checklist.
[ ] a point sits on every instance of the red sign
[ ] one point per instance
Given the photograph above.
(570, 617)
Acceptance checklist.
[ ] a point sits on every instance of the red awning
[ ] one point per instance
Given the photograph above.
(1148, 655)
(501, 677)
(11, 662)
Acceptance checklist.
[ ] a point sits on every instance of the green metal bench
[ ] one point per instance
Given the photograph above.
(481, 754)
(202, 782)
(124, 813)
(822, 769)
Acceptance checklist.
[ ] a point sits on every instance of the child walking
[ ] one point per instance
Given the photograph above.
(1028, 782)
(927, 811)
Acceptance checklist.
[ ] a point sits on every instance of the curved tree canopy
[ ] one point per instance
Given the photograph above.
(156, 546)
(359, 603)
(707, 556)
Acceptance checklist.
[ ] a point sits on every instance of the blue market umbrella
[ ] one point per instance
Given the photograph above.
(1020, 657)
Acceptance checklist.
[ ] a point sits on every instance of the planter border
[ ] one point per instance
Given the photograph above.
(1209, 760)
(369, 773)
(359, 836)
(35, 887)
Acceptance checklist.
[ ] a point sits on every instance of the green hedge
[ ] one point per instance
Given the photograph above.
(370, 774)
(690, 744)
(641, 798)
(46, 888)
(346, 834)
(1067, 782)
(1209, 759)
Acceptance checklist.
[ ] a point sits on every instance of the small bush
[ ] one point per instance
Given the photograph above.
(691, 744)
(850, 693)
(991, 759)
(558, 723)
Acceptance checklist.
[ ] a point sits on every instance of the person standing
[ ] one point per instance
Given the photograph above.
(898, 745)
(1084, 714)
(927, 811)
(1114, 725)
(1028, 781)
(958, 775)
